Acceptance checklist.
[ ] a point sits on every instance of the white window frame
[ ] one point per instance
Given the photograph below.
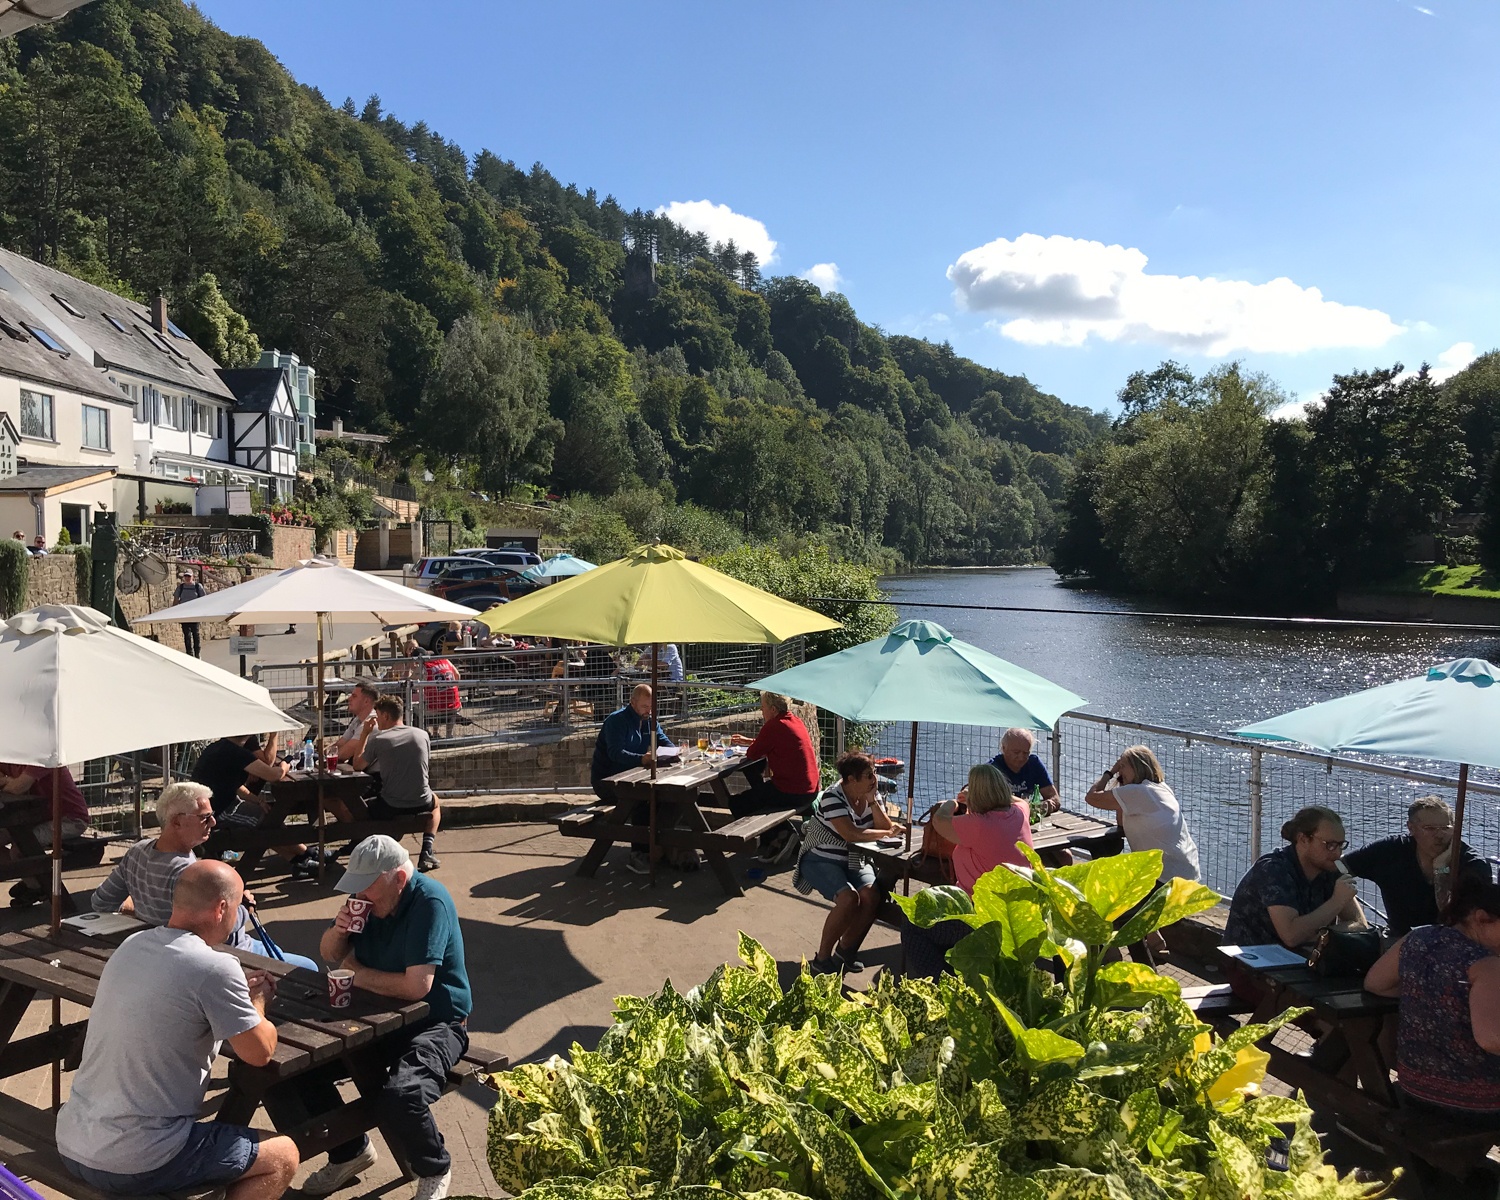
(104, 419)
(203, 418)
(281, 433)
(49, 406)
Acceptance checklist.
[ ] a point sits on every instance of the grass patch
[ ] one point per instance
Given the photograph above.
(1445, 581)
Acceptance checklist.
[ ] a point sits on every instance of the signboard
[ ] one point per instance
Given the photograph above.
(244, 645)
(237, 500)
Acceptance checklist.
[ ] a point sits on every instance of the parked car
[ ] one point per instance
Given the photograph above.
(428, 569)
(505, 556)
(503, 580)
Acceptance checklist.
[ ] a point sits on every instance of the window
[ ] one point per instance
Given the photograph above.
(281, 431)
(68, 307)
(116, 322)
(203, 418)
(95, 427)
(171, 412)
(151, 338)
(218, 422)
(177, 333)
(11, 331)
(36, 416)
(46, 339)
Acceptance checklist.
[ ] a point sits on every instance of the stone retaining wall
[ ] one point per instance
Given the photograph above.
(52, 580)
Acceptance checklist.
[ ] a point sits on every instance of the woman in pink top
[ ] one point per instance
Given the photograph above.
(983, 838)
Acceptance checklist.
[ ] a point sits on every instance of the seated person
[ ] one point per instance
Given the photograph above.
(43, 783)
(1290, 894)
(1448, 1028)
(226, 768)
(361, 710)
(128, 1125)
(850, 811)
(400, 755)
(1412, 870)
(1028, 777)
(624, 741)
(411, 948)
(145, 880)
(791, 777)
(989, 834)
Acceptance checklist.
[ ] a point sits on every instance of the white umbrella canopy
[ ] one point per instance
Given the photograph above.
(122, 693)
(315, 587)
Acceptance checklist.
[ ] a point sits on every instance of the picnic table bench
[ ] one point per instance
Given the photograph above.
(688, 822)
(36, 962)
(1348, 1074)
(19, 819)
(298, 796)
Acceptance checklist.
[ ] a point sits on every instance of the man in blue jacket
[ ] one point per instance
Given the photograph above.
(625, 742)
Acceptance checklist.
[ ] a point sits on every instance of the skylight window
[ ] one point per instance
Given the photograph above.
(152, 340)
(177, 333)
(116, 322)
(46, 339)
(68, 307)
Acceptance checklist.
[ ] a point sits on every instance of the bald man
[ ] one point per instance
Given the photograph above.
(166, 1001)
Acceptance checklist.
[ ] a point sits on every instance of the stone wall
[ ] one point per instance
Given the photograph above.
(156, 597)
(342, 545)
(290, 544)
(1389, 606)
(53, 580)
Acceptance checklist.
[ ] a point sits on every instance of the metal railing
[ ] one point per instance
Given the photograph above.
(179, 541)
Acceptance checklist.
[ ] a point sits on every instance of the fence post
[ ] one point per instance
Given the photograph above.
(1057, 754)
(838, 737)
(1255, 803)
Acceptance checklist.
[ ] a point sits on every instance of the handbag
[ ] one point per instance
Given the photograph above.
(1341, 953)
(938, 848)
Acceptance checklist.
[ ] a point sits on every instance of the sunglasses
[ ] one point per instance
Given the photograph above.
(1328, 845)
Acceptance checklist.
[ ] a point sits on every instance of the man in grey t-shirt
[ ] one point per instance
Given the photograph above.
(400, 754)
(130, 1124)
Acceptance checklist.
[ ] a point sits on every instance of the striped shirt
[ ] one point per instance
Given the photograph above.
(149, 877)
(822, 839)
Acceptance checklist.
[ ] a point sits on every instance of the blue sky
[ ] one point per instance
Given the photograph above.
(1046, 185)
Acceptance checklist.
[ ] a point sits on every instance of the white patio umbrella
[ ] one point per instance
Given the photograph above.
(320, 588)
(123, 692)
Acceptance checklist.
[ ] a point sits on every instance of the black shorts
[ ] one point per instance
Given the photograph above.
(380, 810)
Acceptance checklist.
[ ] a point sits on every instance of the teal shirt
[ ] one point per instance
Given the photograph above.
(422, 929)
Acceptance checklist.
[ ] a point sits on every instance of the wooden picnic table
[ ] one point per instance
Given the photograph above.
(684, 818)
(35, 963)
(298, 796)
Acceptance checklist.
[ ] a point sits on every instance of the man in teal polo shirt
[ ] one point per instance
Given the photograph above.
(409, 949)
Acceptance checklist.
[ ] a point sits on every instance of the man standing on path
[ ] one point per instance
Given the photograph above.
(400, 755)
(625, 741)
(409, 949)
(189, 589)
(129, 1125)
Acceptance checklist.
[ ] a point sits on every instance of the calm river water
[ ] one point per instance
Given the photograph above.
(1188, 674)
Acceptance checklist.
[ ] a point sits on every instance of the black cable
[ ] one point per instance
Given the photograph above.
(1207, 618)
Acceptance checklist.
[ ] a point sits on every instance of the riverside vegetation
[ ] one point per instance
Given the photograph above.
(997, 1082)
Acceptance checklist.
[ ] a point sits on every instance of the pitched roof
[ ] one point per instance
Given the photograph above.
(44, 479)
(28, 359)
(132, 344)
(255, 388)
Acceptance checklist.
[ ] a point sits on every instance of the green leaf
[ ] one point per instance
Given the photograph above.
(1037, 1047)
(1238, 1163)
(1130, 985)
(1015, 904)
(1117, 883)
(934, 904)
(1186, 899)
(1071, 914)
(1075, 1183)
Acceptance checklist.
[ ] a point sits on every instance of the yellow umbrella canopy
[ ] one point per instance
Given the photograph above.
(655, 594)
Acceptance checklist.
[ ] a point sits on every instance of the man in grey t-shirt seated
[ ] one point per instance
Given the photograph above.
(400, 754)
(130, 1123)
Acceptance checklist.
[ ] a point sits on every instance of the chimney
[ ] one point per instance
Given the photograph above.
(159, 313)
(338, 427)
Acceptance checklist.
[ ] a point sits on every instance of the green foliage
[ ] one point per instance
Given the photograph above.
(1488, 533)
(15, 575)
(530, 333)
(994, 1083)
(810, 573)
(1472, 580)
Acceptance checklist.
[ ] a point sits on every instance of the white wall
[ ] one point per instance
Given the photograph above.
(67, 421)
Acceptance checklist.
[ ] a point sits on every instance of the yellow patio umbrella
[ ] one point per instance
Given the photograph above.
(655, 594)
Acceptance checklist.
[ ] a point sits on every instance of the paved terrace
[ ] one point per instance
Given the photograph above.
(548, 952)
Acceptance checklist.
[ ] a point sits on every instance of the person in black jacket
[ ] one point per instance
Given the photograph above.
(1415, 868)
(188, 589)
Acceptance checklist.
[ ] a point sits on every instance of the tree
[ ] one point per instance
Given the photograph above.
(488, 399)
(206, 317)
(1489, 519)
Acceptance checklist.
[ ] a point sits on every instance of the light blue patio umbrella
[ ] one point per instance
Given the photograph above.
(559, 566)
(921, 672)
(1451, 713)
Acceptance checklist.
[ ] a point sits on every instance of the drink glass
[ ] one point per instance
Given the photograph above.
(716, 740)
(340, 988)
(702, 743)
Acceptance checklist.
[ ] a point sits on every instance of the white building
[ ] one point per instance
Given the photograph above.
(182, 409)
(263, 426)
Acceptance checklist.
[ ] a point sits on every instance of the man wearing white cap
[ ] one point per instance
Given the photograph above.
(409, 948)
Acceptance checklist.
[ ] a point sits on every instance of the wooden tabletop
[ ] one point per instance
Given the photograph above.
(1334, 998)
(69, 964)
(1060, 829)
(689, 776)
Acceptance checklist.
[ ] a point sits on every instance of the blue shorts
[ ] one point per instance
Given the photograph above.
(829, 877)
(215, 1153)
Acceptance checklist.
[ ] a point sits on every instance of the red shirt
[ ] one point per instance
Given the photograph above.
(74, 806)
(784, 744)
(441, 699)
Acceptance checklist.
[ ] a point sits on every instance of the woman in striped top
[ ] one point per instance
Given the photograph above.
(847, 812)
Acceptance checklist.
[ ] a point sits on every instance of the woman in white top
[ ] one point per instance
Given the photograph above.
(1148, 811)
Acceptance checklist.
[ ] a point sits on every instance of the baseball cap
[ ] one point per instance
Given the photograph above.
(371, 859)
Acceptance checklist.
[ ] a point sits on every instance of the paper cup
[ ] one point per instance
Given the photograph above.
(340, 988)
(359, 913)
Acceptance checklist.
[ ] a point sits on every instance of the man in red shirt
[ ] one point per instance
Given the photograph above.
(42, 783)
(791, 777)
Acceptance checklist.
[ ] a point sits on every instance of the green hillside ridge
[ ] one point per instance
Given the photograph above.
(538, 337)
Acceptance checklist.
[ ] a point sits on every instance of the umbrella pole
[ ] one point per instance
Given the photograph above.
(56, 920)
(651, 824)
(322, 822)
(911, 783)
(1455, 860)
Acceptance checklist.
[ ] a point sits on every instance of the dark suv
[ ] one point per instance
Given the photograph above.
(470, 585)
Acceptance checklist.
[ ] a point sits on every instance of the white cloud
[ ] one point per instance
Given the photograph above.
(826, 276)
(720, 223)
(1060, 291)
(1297, 410)
(1449, 363)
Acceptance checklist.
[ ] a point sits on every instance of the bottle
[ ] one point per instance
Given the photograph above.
(309, 756)
(1038, 805)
